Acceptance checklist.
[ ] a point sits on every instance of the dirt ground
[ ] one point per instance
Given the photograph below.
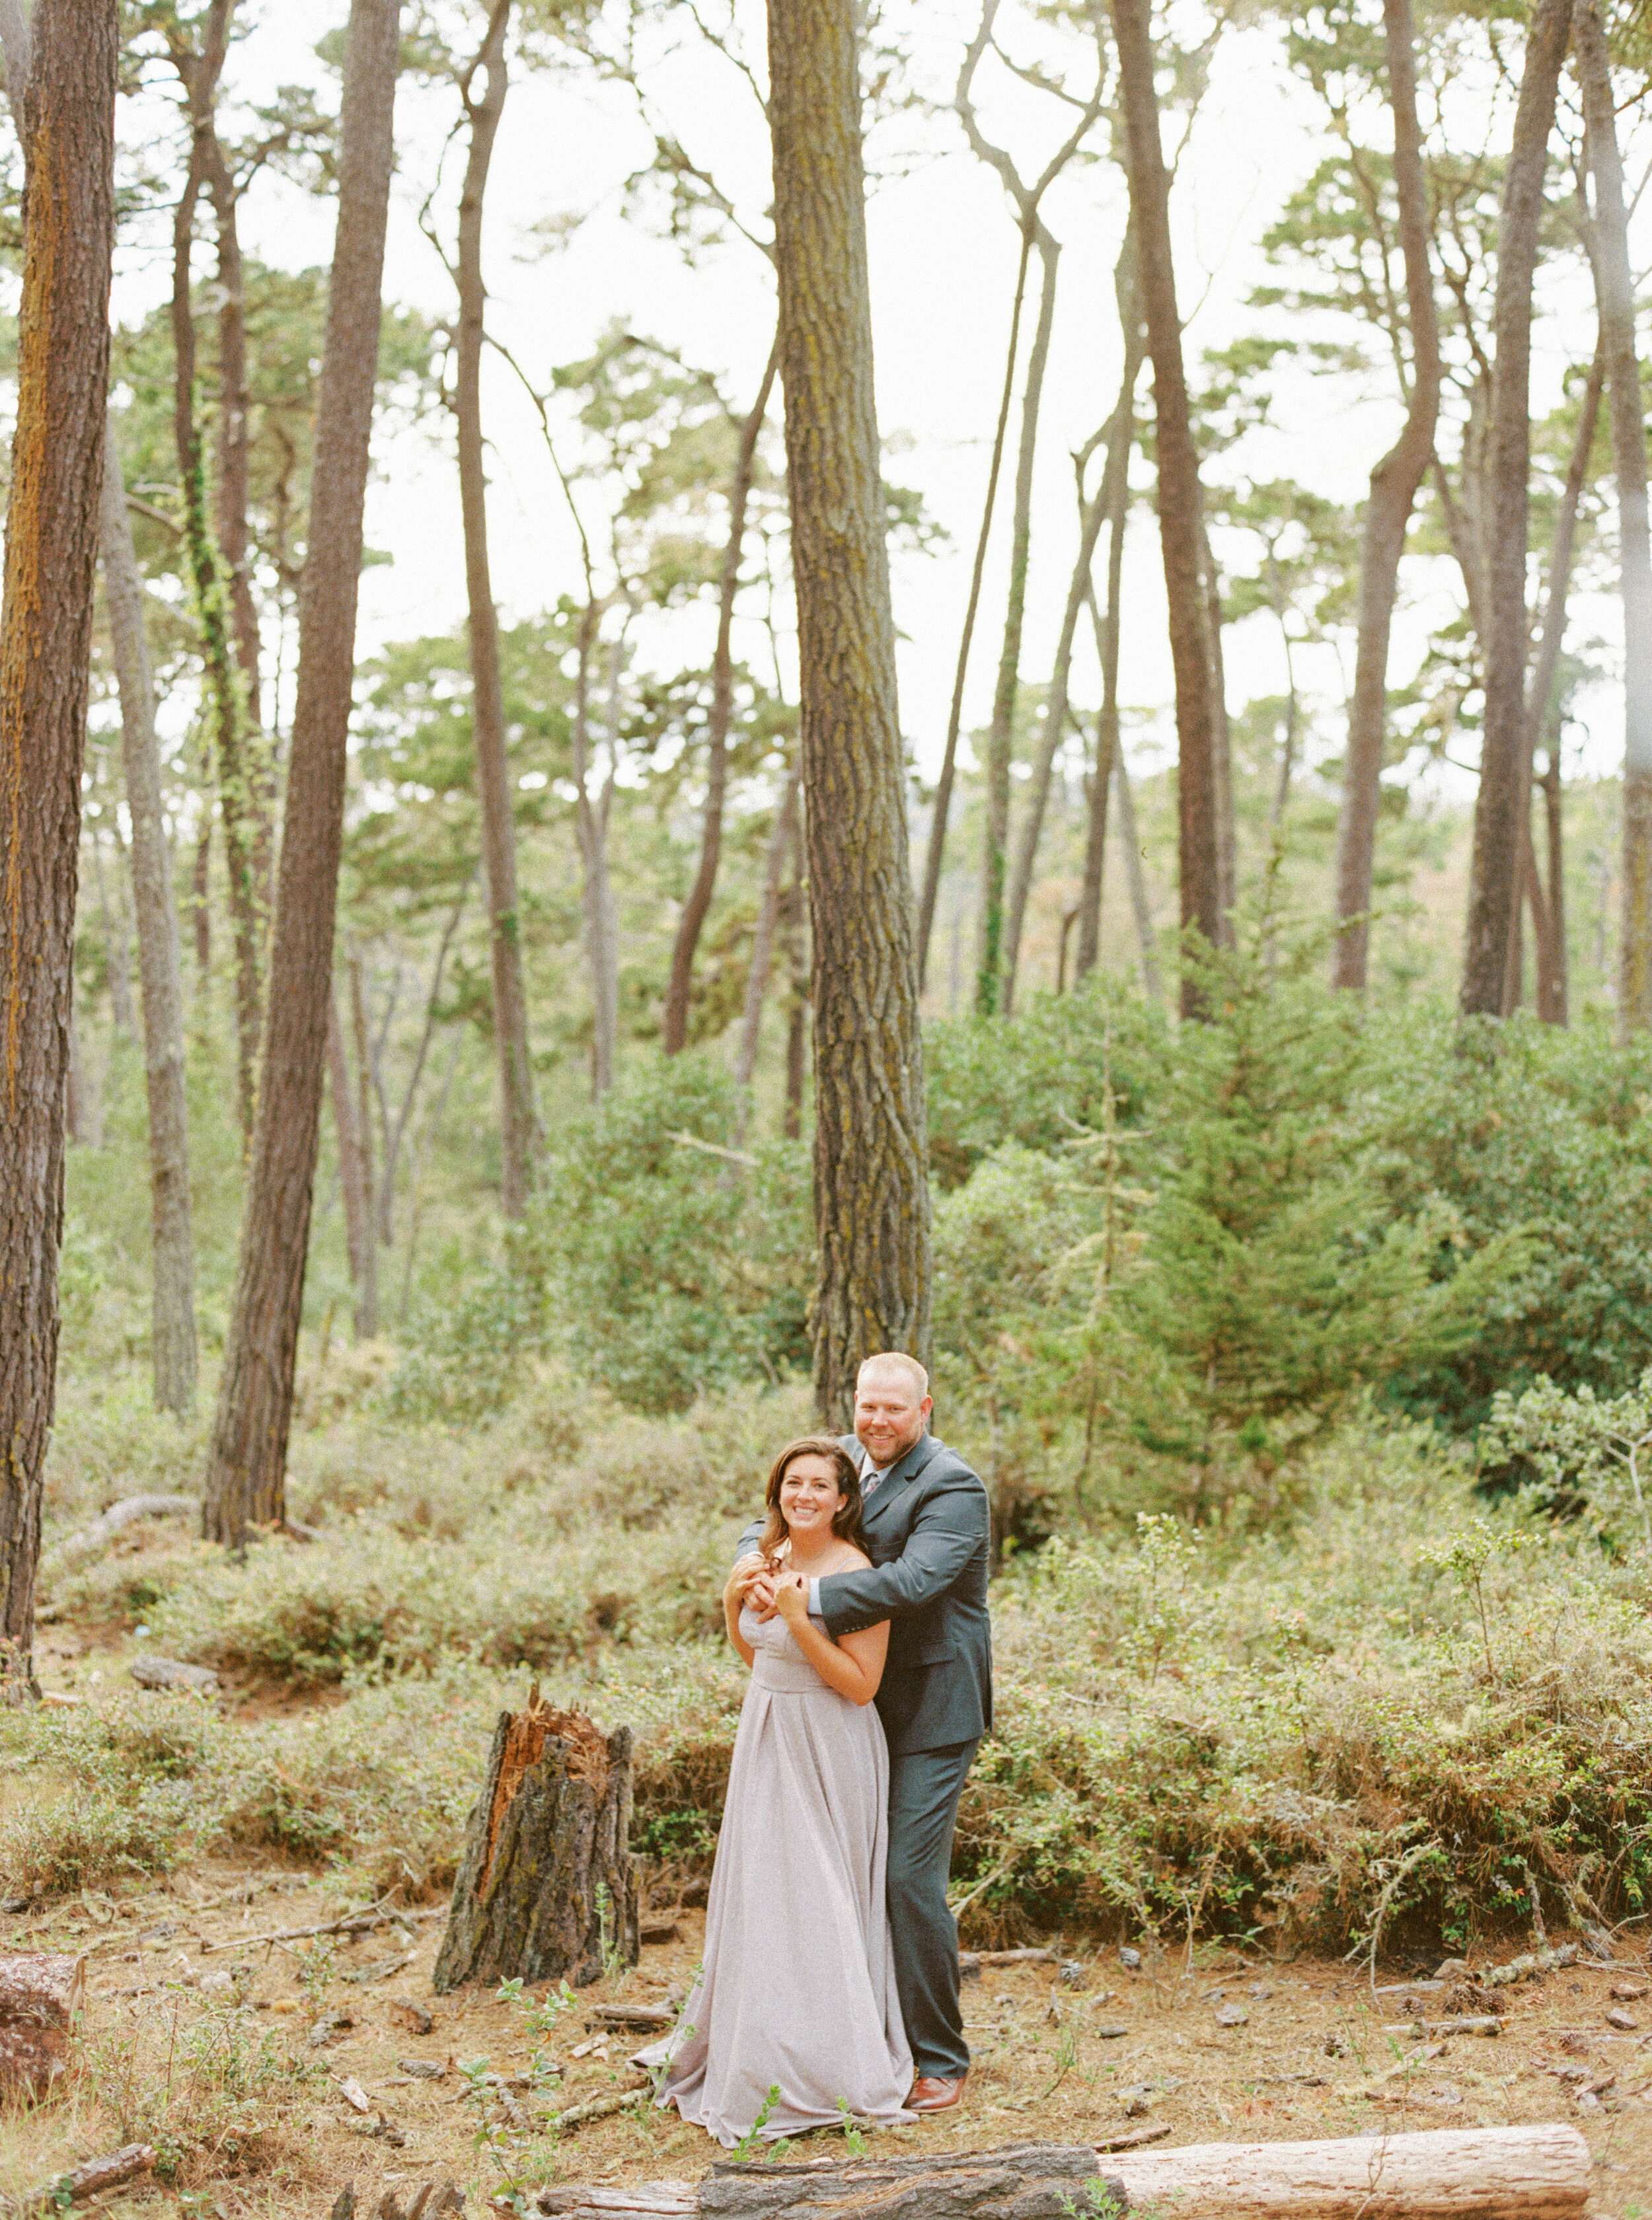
(1094, 2052)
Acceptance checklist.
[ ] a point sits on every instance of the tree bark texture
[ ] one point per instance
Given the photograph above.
(1034, 2181)
(42, 1991)
(989, 970)
(1394, 483)
(199, 71)
(173, 1337)
(519, 1127)
(1121, 440)
(546, 1889)
(936, 853)
(674, 1031)
(1494, 869)
(1615, 291)
(1178, 489)
(352, 1181)
(871, 1184)
(1141, 909)
(67, 118)
(246, 1468)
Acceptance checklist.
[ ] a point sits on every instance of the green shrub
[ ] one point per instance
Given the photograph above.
(657, 1262)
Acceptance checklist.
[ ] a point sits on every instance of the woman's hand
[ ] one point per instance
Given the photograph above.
(792, 1600)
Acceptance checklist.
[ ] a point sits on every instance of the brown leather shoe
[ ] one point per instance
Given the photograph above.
(930, 2094)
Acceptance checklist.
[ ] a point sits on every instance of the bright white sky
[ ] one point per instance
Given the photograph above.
(942, 255)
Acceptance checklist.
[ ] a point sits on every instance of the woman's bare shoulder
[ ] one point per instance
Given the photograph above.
(852, 1561)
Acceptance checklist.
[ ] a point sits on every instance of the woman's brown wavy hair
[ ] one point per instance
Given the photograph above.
(845, 1524)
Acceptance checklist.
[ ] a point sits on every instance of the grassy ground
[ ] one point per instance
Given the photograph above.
(1269, 1762)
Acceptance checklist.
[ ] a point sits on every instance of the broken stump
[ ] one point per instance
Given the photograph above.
(40, 1992)
(546, 1889)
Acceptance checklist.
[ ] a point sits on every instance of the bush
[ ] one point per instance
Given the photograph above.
(659, 1262)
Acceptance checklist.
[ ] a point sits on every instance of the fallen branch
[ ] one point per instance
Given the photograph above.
(89, 2179)
(116, 1518)
(599, 2108)
(350, 1923)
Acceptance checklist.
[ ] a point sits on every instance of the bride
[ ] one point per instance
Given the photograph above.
(797, 1988)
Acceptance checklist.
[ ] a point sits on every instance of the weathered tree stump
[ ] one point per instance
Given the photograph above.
(40, 1992)
(547, 1890)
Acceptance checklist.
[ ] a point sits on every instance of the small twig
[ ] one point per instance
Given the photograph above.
(711, 1149)
(599, 2108)
(352, 1923)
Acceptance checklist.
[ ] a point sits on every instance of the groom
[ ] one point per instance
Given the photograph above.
(928, 1533)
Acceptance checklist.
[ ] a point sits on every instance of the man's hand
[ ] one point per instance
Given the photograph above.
(749, 1573)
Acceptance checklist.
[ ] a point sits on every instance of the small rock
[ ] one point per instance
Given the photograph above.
(343, 2204)
(386, 2131)
(407, 2012)
(695, 1892)
(1587, 2101)
(1137, 2108)
(1579, 2073)
(15, 1904)
(1074, 1974)
(1626, 1992)
(969, 1965)
(1444, 2093)
(1129, 1959)
(1618, 2017)
(168, 1672)
(354, 2095)
(325, 2030)
(1573, 2039)
(1110, 2033)
(1453, 1969)
(1260, 1990)
(1231, 2016)
(423, 2069)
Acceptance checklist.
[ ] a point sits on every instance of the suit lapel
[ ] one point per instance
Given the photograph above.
(895, 1481)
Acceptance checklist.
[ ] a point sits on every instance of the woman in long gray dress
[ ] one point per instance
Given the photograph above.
(797, 1989)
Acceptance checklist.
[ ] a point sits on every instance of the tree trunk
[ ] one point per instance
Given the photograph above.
(1002, 733)
(233, 536)
(1091, 515)
(357, 1212)
(246, 1470)
(1540, 692)
(797, 1001)
(871, 1185)
(590, 827)
(1394, 483)
(1615, 292)
(674, 1030)
(397, 1130)
(361, 1039)
(42, 1991)
(518, 1125)
(1178, 491)
(66, 125)
(1559, 966)
(199, 72)
(782, 840)
(546, 1889)
(1141, 909)
(1221, 757)
(1494, 870)
(172, 1339)
(943, 808)
(1121, 440)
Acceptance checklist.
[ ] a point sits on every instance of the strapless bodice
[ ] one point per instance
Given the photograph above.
(778, 1664)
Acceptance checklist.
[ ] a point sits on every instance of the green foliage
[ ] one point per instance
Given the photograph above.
(1577, 1453)
(658, 1262)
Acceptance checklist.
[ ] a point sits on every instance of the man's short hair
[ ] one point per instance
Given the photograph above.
(896, 1360)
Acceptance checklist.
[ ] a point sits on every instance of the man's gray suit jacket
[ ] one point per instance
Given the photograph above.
(929, 1537)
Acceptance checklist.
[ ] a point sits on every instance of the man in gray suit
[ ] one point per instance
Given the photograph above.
(929, 1535)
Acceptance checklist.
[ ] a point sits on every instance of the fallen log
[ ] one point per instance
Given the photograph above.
(1481, 2173)
(648, 2200)
(547, 1887)
(648, 2019)
(40, 1993)
(1035, 2181)
(115, 1519)
(90, 2179)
